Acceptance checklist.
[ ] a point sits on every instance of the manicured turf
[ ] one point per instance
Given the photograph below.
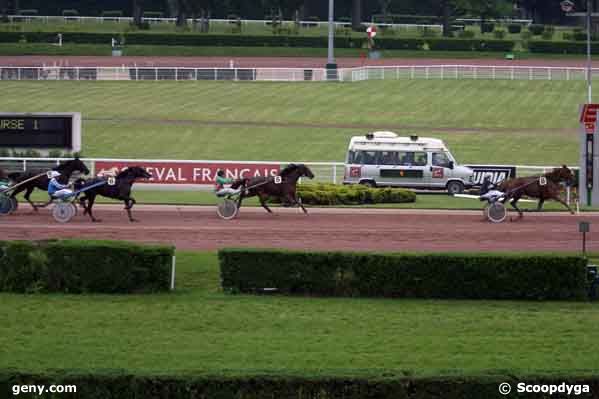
(512, 122)
(199, 329)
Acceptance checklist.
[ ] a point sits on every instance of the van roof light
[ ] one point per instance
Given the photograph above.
(370, 136)
(414, 138)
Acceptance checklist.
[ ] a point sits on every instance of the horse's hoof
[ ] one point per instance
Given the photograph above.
(96, 220)
(134, 220)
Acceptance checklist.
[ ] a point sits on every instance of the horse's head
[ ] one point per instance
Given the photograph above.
(305, 171)
(135, 172)
(564, 174)
(297, 170)
(73, 165)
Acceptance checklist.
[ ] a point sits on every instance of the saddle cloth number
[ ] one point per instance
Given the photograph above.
(278, 179)
(111, 181)
(542, 181)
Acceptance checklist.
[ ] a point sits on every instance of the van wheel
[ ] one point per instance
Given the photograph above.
(455, 187)
(369, 183)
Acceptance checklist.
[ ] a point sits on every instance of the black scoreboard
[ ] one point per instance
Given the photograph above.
(41, 131)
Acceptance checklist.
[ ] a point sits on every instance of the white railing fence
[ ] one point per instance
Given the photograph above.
(443, 72)
(327, 172)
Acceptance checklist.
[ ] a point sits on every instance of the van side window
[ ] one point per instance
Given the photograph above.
(406, 158)
(366, 157)
(388, 158)
(420, 159)
(440, 159)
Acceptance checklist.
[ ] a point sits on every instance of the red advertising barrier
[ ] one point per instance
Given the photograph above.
(190, 172)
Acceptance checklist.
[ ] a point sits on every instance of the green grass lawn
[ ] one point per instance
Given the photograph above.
(198, 329)
(512, 122)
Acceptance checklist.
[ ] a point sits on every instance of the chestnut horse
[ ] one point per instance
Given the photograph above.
(543, 187)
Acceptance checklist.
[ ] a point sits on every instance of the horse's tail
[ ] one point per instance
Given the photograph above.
(15, 177)
(239, 182)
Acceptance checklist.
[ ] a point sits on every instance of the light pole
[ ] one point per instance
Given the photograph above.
(567, 7)
(331, 66)
(589, 65)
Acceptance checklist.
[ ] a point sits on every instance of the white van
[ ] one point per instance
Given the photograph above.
(386, 159)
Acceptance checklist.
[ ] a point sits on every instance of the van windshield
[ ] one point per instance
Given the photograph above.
(440, 159)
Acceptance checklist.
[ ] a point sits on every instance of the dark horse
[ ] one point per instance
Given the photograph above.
(542, 187)
(282, 186)
(120, 189)
(66, 169)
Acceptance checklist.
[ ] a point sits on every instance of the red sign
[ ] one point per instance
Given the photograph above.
(438, 173)
(190, 172)
(355, 171)
(588, 116)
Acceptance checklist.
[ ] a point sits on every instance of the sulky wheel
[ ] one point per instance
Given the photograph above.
(64, 211)
(227, 209)
(6, 204)
(496, 212)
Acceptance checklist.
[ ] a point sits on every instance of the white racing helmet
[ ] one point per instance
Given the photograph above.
(54, 174)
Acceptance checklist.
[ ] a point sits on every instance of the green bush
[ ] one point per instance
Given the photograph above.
(514, 28)
(114, 385)
(153, 14)
(470, 45)
(487, 27)
(78, 266)
(579, 35)
(70, 13)
(466, 34)
(112, 13)
(473, 276)
(536, 29)
(499, 33)
(558, 47)
(355, 194)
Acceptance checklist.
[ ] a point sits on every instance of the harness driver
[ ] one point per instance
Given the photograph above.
(57, 190)
(489, 192)
(219, 185)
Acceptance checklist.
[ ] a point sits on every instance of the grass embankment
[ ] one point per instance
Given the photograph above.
(201, 330)
(507, 122)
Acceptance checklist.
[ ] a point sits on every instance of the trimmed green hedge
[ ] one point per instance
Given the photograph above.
(78, 266)
(555, 47)
(473, 276)
(355, 194)
(224, 40)
(470, 45)
(117, 386)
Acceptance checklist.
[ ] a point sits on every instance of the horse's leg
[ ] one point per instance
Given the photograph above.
(564, 203)
(263, 203)
(83, 204)
(295, 201)
(26, 196)
(514, 203)
(90, 204)
(129, 202)
(540, 205)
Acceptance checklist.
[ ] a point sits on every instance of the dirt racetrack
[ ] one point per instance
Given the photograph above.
(194, 227)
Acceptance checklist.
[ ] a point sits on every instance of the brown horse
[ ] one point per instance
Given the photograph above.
(282, 186)
(542, 187)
